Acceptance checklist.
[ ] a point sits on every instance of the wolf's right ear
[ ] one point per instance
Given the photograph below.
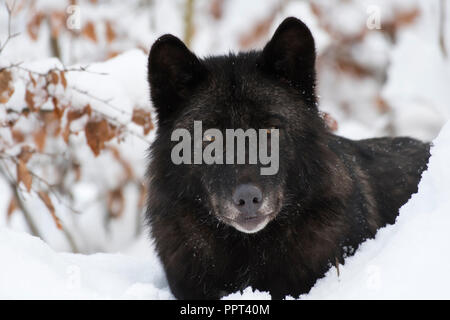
(172, 71)
(290, 55)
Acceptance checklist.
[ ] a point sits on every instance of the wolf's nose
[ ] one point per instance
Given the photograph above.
(248, 199)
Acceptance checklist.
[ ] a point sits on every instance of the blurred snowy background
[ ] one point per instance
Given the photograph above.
(75, 116)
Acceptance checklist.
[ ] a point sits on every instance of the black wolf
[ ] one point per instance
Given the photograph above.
(221, 228)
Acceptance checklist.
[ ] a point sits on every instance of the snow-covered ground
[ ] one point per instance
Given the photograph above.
(407, 260)
(32, 270)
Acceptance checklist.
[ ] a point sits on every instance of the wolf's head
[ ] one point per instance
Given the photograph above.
(272, 89)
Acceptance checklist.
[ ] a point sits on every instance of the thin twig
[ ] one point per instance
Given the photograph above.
(52, 188)
(10, 34)
(104, 101)
(13, 65)
(84, 69)
(19, 199)
(64, 69)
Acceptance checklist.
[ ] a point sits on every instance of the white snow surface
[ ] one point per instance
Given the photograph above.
(407, 260)
(30, 269)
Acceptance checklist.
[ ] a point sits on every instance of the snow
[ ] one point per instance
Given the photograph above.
(123, 84)
(248, 294)
(420, 105)
(30, 269)
(407, 260)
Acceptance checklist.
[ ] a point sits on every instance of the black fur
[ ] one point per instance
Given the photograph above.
(334, 192)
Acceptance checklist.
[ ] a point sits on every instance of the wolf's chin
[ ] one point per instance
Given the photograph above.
(251, 228)
(248, 225)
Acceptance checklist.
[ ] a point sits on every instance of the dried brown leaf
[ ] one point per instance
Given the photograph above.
(57, 111)
(216, 9)
(116, 203)
(400, 19)
(53, 77)
(97, 133)
(6, 86)
(75, 114)
(143, 118)
(382, 104)
(89, 31)
(34, 25)
(39, 137)
(125, 164)
(316, 9)
(12, 206)
(29, 99)
(72, 115)
(63, 79)
(66, 133)
(112, 54)
(142, 195)
(24, 175)
(25, 153)
(407, 17)
(48, 203)
(33, 81)
(110, 33)
(77, 170)
(57, 22)
(17, 135)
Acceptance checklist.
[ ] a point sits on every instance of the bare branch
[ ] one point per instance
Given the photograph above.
(28, 217)
(84, 69)
(51, 188)
(10, 34)
(13, 65)
(18, 65)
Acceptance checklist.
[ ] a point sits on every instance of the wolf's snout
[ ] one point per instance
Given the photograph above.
(248, 199)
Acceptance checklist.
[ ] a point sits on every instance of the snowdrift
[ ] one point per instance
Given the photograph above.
(408, 260)
(30, 269)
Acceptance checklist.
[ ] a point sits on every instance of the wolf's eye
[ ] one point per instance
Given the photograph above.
(209, 138)
(269, 131)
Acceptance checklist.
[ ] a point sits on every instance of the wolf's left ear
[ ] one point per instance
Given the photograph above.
(291, 54)
(172, 71)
